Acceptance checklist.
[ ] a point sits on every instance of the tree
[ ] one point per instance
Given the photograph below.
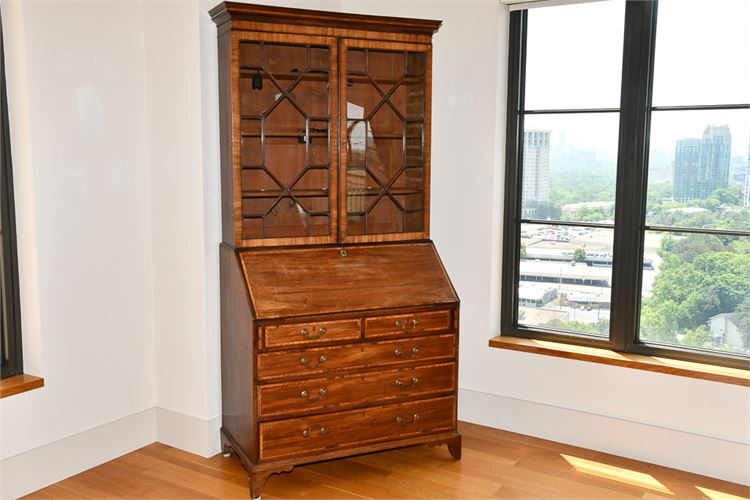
(700, 276)
(699, 337)
(743, 321)
(601, 327)
(728, 196)
(659, 321)
(579, 255)
(691, 246)
(545, 209)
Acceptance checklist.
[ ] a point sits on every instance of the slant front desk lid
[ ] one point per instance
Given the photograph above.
(310, 281)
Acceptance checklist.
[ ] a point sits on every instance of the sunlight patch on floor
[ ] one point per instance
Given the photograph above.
(616, 473)
(717, 495)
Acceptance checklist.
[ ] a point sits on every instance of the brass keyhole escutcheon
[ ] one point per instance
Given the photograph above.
(343, 252)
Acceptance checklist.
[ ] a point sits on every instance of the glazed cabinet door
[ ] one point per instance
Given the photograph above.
(284, 138)
(385, 128)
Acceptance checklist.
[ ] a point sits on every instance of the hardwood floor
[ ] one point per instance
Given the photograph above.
(495, 464)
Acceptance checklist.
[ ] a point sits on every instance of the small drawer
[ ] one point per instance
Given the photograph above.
(321, 433)
(408, 324)
(320, 361)
(320, 394)
(300, 334)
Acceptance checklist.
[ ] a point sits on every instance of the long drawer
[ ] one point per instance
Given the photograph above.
(312, 362)
(319, 394)
(320, 433)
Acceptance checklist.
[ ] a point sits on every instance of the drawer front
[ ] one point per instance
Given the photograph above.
(320, 433)
(301, 334)
(309, 363)
(315, 395)
(408, 324)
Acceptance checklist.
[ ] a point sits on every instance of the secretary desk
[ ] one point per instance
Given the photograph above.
(339, 324)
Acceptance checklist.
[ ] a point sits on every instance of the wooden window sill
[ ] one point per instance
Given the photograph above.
(18, 384)
(637, 361)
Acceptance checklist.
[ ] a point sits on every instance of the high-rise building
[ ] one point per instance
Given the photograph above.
(716, 152)
(701, 166)
(687, 160)
(535, 169)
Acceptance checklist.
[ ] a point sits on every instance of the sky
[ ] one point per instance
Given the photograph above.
(701, 58)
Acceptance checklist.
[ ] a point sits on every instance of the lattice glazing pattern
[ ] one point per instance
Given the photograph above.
(285, 109)
(385, 111)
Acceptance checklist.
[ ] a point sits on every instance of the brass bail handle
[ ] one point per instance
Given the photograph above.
(304, 360)
(409, 325)
(306, 394)
(306, 333)
(400, 353)
(309, 431)
(414, 419)
(403, 385)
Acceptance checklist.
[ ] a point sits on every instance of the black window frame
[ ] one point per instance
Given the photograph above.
(11, 358)
(630, 211)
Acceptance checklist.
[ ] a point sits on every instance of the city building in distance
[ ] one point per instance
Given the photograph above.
(535, 170)
(701, 166)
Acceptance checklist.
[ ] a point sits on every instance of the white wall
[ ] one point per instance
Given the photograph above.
(184, 230)
(78, 118)
(115, 133)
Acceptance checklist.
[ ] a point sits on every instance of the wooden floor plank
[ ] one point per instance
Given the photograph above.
(495, 464)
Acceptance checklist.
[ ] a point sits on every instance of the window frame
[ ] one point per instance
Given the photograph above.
(630, 211)
(11, 359)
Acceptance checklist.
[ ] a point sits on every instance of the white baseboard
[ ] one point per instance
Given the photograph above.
(694, 453)
(188, 433)
(29, 471)
(32, 470)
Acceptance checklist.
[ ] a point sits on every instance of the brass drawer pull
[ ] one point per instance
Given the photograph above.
(404, 326)
(402, 385)
(414, 419)
(400, 353)
(308, 432)
(306, 394)
(306, 333)
(304, 360)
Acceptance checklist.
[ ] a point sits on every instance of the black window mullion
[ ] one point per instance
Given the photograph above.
(513, 162)
(11, 325)
(637, 72)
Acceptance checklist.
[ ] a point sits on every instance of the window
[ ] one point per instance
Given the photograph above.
(10, 345)
(627, 220)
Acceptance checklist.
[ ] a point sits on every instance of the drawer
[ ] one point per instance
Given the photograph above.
(300, 334)
(318, 361)
(320, 433)
(320, 394)
(408, 324)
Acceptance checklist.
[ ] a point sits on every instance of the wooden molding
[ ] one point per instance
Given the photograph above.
(18, 384)
(234, 11)
(627, 360)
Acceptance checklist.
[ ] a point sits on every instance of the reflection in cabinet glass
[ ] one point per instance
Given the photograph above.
(385, 123)
(285, 107)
